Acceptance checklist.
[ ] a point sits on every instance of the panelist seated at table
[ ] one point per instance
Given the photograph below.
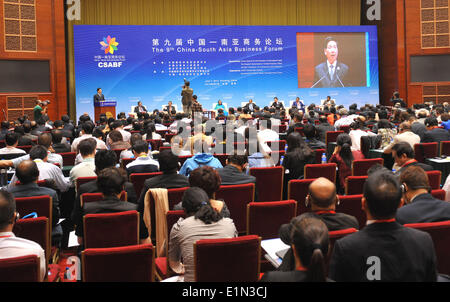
(140, 108)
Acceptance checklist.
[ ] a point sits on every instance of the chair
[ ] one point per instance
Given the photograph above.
(335, 235)
(155, 143)
(82, 180)
(361, 166)
(92, 197)
(425, 150)
(42, 205)
(298, 190)
(440, 232)
(282, 128)
(20, 269)
(445, 148)
(68, 158)
(162, 263)
(331, 136)
(183, 158)
(126, 161)
(354, 184)
(345, 128)
(111, 229)
(269, 182)
(236, 197)
(277, 144)
(138, 180)
(222, 158)
(34, 229)
(351, 205)
(118, 151)
(134, 263)
(265, 218)
(162, 148)
(318, 154)
(438, 194)
(25, 148)
(233, 260)
(434, 178)
(321, 170)
(299, 130)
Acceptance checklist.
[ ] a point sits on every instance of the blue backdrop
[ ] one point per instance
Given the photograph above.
(231, 63)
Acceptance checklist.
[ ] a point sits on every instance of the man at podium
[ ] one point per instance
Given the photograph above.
(99, 96)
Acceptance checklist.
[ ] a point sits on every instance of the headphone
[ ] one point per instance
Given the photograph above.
(404, 190)
(308, 201)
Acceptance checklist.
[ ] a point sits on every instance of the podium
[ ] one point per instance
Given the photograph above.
(106, 107)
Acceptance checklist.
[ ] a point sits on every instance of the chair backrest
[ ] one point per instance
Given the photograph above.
(82, 180)
(42, 205)
(156, 144)
(20, 269)
(126, 161)
(318, 154)
(439, 194)
(236, 197)
(111, 229)
(345, 128)
(335, 235)
(331, 136)
(118, 151)
(162, 148)
(93, 197)
(222, 158)
(299, 130)
(269, 182)
(440, 232)
(445, 148)
(434, 178)
(351, 205)
(25, 148)
(239, 259)
(425, 150)
(265, 218)
(282, 128)
(68, 158)
(361, 166)
(34, 229)
(183, 158)
(298, 190)
(135, 263)
(277, 145)
(138, 180)
(354, 184)
(321, 170)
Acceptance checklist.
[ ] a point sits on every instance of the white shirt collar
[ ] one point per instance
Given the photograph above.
(334, 65)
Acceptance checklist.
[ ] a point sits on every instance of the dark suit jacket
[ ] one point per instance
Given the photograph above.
(405, 254)
(136, 109)
(32, 189)
(418, 128)
(288, 276)
(111, 204)
(232, 176)
(322, 130)
(424, 208)
(334, 222)
(315, 144)
(171, 111)
(61, 148)
(435, 135)
(247, 106)
(423, 166)
(98, 98)
(292, 128)
(277, 106)
(24, 141)
(322, 75)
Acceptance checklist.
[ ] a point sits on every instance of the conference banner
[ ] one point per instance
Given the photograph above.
(229, 63)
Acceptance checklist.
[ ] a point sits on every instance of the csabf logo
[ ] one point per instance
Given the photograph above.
(109, 45)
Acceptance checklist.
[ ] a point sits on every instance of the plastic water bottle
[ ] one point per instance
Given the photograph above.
(149, 148)
(324, 158)
(281, 160)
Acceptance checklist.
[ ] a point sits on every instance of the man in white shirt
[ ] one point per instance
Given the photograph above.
(87, 168)
(266, 134)
(87, 129)
(12, 246)
(143, 162)
(118, 125)
(345, 120)
(46, 170)
(405, 135)
(12, 140)
(356, 133)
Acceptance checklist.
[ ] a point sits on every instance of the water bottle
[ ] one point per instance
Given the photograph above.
(281, 160)
(324, 158)
(149, 148)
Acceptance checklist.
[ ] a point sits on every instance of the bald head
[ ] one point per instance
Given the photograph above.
(27, 172)
(323, 193)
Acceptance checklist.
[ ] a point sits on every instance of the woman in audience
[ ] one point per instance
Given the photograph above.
(343, 156)
(151, 132)
(208, 179)
(310, 245)
(386, 132)
(297, 156)
(202, 222)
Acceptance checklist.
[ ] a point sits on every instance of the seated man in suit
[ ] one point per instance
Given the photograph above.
(311, 137)
(403, 156)
(384, 250)
(434, 133)
(420, 206)
(234, 172)
(330, 73)
(323, 198)
(170, 109)
(250, 106)
(276, 104)
(57, 142)
(111, 183)
(140, 109)
(298, 123)
(298, 104)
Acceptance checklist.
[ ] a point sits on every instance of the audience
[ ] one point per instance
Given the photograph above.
(143, 163)
(57, 142)
(403, 155)
(311, 138)
(116, 141)
(200, 159)
(87, 167)
(383, 250)
(434, 133)
(12, 141)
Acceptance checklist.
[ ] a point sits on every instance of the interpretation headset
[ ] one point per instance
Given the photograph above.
(308, 200)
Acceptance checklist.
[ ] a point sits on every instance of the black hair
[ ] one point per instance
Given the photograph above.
(38, 152)
(98, 133)
(11, 138)
(309, 235)
(382, 193)
(168, 162)
(5, 125)
(298, 148)
(58, 123)
(105, 159)
(403, 148)
(87, 146)
(27, 172)
(309, 131)
(140, 146)
(7, 208)
(328, 40)
(345, 142)
(57, 136)
(196, 202)
(87, 127)
(110, 181)
(236, 159)
(431, 121)
(384, 124)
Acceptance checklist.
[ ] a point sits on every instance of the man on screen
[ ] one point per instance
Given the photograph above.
(330, 73)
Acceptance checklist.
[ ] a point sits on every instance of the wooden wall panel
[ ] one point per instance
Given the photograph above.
(50, 34)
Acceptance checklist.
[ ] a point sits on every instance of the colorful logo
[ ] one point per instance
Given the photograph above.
(109, 45)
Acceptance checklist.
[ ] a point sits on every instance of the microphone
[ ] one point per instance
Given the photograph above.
(337, 75)
(318, 81)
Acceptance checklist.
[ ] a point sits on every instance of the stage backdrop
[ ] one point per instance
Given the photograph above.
(230, 63)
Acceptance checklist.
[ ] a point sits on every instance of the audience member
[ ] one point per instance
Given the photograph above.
(201, 159)
(87, 167)
(311, 138)
(143, 162)
(12, 141)
(57, 142)
(434, 133)
(116, 141)
(403, 155)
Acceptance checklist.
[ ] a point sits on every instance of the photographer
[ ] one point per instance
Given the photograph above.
(186, 100)
(40, 110)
